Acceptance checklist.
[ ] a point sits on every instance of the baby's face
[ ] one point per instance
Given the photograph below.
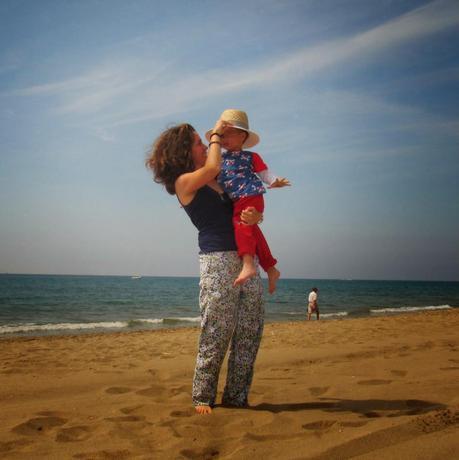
(233, 139)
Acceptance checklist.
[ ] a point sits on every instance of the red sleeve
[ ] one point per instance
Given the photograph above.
(257, 163)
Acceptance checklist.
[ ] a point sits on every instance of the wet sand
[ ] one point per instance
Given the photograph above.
(367, 388)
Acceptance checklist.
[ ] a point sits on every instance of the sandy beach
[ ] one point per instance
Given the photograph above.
(366, 388)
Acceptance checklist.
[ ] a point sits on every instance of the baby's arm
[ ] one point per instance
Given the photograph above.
(266, 175)
(280, 182)
(272, 180)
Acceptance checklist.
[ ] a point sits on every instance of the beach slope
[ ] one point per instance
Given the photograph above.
(366, 388)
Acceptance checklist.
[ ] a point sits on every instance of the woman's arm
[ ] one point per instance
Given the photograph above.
(187, 184)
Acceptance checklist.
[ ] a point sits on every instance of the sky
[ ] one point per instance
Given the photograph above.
(356, 102)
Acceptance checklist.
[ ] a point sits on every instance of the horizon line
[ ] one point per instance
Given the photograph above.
(196, 276)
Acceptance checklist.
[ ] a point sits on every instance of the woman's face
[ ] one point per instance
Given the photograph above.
(198, 152)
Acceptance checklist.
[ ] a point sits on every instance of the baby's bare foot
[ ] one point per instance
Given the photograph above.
(273, 276)
(246, 273)
(203, 410)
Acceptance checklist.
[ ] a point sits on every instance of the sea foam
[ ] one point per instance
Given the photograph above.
(408, 309)
(61, 326)
(31, 327)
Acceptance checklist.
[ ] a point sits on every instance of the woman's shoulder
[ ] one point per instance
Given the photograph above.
(184, 195)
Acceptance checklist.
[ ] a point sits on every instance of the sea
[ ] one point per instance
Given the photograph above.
(32, 305)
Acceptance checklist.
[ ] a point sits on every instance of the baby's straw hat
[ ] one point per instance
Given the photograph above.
(239, 120)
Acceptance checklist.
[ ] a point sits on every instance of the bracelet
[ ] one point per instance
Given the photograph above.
(214, 142)
(215, 134)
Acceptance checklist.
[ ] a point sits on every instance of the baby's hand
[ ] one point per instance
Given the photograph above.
(280, 182)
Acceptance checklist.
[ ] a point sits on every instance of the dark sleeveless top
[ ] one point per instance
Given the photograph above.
(212, 214)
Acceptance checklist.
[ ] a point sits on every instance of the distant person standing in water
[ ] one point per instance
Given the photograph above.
(312, 303)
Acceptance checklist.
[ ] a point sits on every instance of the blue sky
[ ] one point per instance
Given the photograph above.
(356, 102)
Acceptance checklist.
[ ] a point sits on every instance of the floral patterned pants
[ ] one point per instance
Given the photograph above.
(228, 314)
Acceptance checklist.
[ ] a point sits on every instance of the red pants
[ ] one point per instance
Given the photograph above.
(249, 238)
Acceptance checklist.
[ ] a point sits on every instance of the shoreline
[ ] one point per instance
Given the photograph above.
(47, 330)
(384, 387)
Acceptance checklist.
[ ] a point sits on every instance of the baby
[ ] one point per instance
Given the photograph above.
(241, 176)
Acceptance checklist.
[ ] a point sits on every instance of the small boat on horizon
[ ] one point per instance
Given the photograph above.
(136, 277)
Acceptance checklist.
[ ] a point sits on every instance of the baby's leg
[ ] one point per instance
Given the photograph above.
(245, 240)
(267, 261)
(248, 269)
(273, 275)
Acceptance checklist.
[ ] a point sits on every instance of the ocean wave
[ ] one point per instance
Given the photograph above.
(135, 322)
(31, 327)
(61, 327)
(409, 309)
(330, 315)
(185, 319)
(322, 315)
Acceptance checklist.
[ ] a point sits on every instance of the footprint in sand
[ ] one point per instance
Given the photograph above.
(398, 373)
(73, 434)
(49, 413)
(126, 418)
(155, 391)
(118, 390)
(201, 454)
(317, 391)
(320, 425)
(105, 455)
(13, 446)
(128, 410)
(374, 382)
(353, 424)
(39, 425)
(428, 345)
(165, 355)
(372, 414)
(183, 389)
(182, 413)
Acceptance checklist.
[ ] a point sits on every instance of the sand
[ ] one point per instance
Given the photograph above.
(367, 388)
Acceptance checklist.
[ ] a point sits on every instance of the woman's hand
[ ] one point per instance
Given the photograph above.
(251, 216)
(220, 126)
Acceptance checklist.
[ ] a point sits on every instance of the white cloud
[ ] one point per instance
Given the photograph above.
(144, 94)
(180, 93)
(332, 122)
(93, 78)
(104, 135)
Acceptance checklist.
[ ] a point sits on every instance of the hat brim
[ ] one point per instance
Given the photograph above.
(252, 139)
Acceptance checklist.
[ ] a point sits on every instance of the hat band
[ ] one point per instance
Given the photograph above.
(240, 125)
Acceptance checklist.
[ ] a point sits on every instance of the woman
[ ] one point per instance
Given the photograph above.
(180, 161)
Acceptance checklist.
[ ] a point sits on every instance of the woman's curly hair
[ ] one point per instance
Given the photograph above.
(170, 155)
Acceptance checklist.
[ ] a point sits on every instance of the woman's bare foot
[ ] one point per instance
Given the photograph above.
(273, 276)
(203, 410)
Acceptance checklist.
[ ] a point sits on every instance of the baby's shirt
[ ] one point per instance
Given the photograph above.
(237, 175)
